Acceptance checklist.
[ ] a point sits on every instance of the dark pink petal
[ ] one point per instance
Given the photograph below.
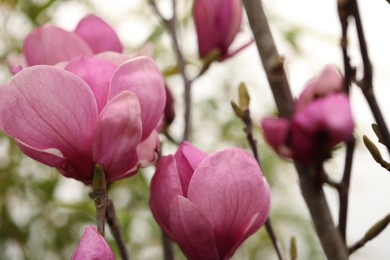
(49, 108)
(92, 246)
(330, 81)
(276, 132)
(117, 135)
(50, 45)
(142, 77)
(97, 73)
(165, 186)
(228, 188)
(205, 13)
(230, 17)
(187, 160)
(98, 34)
(192, 231)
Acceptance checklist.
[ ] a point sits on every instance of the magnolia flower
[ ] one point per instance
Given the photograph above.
(92, 246)
(322, 118)
(91, 112)
(50, 44)
(217, 23)
(209, 204)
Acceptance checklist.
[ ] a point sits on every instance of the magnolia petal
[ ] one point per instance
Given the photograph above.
(187, 160)
(276, 131)
(115, 58)
(142, 77)
(205, 13)
(230, 14)
(330, 81)
(47, 107)
(117, 135)
(50, 45)
(164, 187)
(191, 230)
(99, 35)
(97, 73)
(148, 150)
(225, 188)
(92, 246)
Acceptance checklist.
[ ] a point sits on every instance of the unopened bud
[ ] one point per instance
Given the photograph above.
(377, 228)
(375, 128)
(293, 248)
(243, 96)
(236, 109)
(376, 154)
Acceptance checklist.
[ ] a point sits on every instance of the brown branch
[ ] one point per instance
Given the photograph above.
(170, 25)
(311, 188)
(116, 229)
(344, 189)
(167, 245)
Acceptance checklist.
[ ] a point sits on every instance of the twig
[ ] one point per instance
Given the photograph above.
(244, 113)
(116, 230)
(167, 245)
(350, 8)
(170, 24)
(344, 189)
(374, 231)
(311, 187)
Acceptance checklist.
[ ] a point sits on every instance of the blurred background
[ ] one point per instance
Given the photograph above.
(42, 214)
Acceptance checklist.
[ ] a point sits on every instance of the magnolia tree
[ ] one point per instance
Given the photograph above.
(79, 102)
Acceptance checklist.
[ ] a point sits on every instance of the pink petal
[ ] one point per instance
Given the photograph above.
(228, 188)
(276, 131)
(230, 19)
(112, 57)
(97, 73)
(187, 160)
(99, 35)
(16, 63)
(92, 246)
(142, 77)
(192, 231)
(50, 45)
(206, 28)
(328, 82)
(117, 135)
(164, 187)
(49, 108)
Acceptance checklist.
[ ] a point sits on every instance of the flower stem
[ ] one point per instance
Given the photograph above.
(99, 195)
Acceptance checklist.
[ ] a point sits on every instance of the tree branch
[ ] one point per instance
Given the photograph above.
(311, 188)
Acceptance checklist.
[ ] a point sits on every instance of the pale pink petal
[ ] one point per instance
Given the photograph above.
(115, 58)
(97, 73)
(228, 189)
(49, 108)
(164, 187)
(92, 246)
(50, 45)
(192, 231)
(330, 81)
(142, 77)
(187, 160)
(16, 63)
(117, 135)
(98, 34)
(148, 150)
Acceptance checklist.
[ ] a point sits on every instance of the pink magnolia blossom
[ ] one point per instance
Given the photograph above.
(91, 112)
(217, 23)
(322, 118)
(92, 246)
(50, 44)
(209, 204)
